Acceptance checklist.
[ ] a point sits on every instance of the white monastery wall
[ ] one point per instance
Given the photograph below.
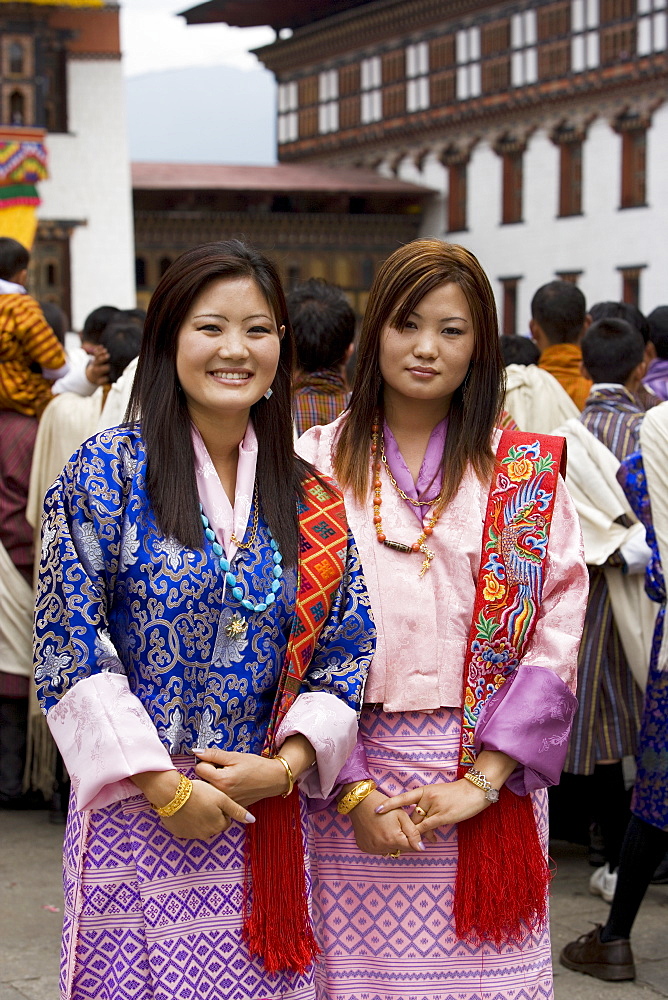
(596, 243)
(90, 183)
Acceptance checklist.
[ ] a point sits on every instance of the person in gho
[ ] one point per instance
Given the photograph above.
(472, 555)
(200, 596)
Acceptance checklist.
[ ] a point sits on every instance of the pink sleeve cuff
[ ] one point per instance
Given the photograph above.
(356, 768)
(105, 735)
(330, 726)
(529, 719)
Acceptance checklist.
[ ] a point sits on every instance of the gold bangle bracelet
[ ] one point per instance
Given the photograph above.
(288, 771)
(183, 790)
(356, 795)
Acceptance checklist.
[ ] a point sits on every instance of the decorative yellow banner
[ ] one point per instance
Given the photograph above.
(19, 222)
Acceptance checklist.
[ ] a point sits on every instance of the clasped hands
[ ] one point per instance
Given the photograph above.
(229, 783)
(383, 825)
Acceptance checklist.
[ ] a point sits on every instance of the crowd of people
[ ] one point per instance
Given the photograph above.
(320, 619)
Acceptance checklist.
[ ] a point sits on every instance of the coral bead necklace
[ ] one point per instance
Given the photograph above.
(420, 544)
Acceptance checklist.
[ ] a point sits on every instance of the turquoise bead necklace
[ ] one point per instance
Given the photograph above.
(231, 578)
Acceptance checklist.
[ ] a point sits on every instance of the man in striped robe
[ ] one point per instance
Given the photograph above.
(610, 701)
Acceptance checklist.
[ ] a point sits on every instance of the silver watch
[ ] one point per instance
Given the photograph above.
(478, 778)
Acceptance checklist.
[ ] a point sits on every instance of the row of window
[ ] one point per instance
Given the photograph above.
(629, 292)
(632, 187)
(569, 36)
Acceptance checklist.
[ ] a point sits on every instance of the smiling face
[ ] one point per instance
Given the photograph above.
(427, 360)
(228, 349)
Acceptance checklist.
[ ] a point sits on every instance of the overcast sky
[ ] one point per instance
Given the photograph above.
(195, 93)
(154, 39)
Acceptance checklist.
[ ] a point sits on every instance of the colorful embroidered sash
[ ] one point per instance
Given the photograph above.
(510, 580)
(502, 875)
(323, 539)
(277, 925)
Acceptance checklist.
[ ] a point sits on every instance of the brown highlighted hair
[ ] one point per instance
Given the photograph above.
(159, 406)
(401, 283)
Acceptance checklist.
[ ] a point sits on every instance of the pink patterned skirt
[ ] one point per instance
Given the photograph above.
(386, 926)
(150, 917)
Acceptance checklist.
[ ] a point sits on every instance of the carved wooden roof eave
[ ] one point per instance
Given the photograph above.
(545, 111)
(352, 30)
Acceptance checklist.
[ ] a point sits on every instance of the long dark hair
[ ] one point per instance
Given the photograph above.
(160, 406)
(403, 280)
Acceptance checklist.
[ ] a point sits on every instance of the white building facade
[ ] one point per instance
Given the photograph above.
(83, 255)
(541, 124)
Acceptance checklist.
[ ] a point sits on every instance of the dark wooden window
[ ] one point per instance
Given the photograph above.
(509, 317)
(349, 112)
(394, 100)
(495, 38)
(495, 75)
(394, 66)
(457, 197)
(554, 61)
(165, 262)
(570, 178)
(349, 80)
(634, 157)
(631, 285)
(618, 44)
(572, 277)
(443, 88)
(554, 21)
(308, 122)
(49, 276)
(307, 91)
(617, 10)
(512, 167)
(442, 52)
(16, 56)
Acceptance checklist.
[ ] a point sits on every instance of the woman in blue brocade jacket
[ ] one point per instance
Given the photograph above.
(171, 560)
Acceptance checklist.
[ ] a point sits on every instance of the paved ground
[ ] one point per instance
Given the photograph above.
(31, 913)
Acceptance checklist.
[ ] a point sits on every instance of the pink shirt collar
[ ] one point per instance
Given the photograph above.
(224, 519)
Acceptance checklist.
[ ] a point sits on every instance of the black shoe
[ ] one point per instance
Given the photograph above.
(608, 960)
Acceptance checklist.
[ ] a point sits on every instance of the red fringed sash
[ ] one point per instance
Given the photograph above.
(502, 875)
(277, 925)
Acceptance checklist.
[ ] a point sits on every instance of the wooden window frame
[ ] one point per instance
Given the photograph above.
(509, 305)
(512, 187)
(570, 178)
(457, 197)
(634, 168)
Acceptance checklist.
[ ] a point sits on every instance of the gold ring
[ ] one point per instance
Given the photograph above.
(420, 810)
(395, 854)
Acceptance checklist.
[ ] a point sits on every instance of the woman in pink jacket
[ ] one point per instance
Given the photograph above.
(430, 874)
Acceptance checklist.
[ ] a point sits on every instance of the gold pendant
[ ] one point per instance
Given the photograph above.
(236, 627)
(428, 556)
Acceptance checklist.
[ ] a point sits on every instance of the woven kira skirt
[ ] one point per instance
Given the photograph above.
(386, 926)
(150, 917)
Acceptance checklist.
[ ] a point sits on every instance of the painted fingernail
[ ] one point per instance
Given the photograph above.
(378, 809)
(421, 847)
(250, 818)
